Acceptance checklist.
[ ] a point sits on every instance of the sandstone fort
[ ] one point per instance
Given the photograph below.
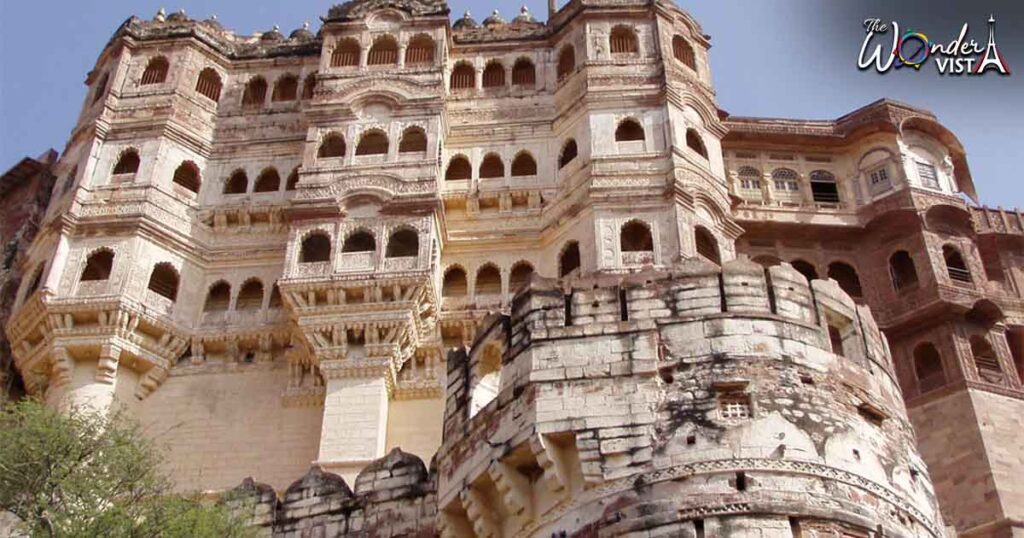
(424, 275)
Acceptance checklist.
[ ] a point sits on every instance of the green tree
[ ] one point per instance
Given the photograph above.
(83, 473)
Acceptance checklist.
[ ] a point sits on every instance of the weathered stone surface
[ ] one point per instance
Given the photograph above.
(536, 250)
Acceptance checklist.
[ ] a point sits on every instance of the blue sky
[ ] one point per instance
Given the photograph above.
(777, 58)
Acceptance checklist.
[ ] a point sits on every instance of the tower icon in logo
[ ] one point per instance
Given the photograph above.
(992, 59)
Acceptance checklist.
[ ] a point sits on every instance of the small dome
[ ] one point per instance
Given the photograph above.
(495, 19)
(465, 22)
(524, 15)
(160, 16)
(303, 34)
(273, 35)
(178, 16)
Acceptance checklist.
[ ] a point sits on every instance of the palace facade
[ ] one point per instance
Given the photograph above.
(521, 278)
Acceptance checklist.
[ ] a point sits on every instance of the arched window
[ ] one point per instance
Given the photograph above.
(750, 178)
(373, 142)
(488, 280)
(524, 165)
(524, 74)
(635, 236)
(128, 162)
(414, 140)
(455, 283)
(805, 268)
(707, 246)
(101, 88)
(293, 180)
(623, 41)
(286, 89)
(420, 50)
(384, 51)
(333, 145)
(520, 276)
(824, 187)
(569, 152)
(163, 281)
(955, 265)
(156, 71)
(269, 181)
(629, 130)
(569, 260)
(458, 168)
(846, 276)
(187, 175)
(463, 77)
(275, 298)
(928, 367)
(250, 297)
(683, 52)
(695, 143)
(494, 75)
(98, 265)
(360, 241)
(488, 381)
(492, 166)
(309, 86)
(209, 84)
(566, 62)
(785, 180)
(255, 93)
(218, 298)
(238, 183)
(902, 271)
(404, 243)
(316, 247)
(985, 359)
(346, 53)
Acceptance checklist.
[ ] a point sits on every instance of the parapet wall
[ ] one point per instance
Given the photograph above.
(707, 401)
(394, 496)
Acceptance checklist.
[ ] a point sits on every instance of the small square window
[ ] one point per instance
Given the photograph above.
(879, 178)
(929, 177)
(734, 406)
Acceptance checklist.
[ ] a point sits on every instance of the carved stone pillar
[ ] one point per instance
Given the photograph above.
(84, 384)
(354, 429)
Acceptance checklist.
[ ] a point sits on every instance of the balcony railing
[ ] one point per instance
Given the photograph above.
(357, 261)
(404, 263)
(959, 276)
(91, 288)
(637, 258)
(159, 303)
(312, 269)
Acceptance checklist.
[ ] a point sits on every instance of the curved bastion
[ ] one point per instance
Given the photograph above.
(733, 401)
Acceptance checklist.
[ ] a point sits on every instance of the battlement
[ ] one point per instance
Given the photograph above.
(613, 304)
(697, 383)
(393, 496)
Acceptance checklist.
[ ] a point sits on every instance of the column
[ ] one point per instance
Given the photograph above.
(60, 258)
(85, 384)
(355, 419)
